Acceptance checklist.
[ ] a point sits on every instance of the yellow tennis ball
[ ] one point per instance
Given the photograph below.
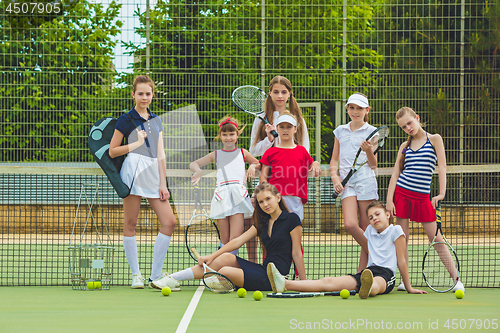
(241, 292)
(459, 294)
(166, 291)
(97, 285)
(90, 285)
(257, 295)
(344, 293)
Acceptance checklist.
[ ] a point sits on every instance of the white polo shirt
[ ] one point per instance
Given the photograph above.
(381, 248)
(349, 144)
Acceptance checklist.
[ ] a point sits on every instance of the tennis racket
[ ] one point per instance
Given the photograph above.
(302, 295)
(440, 267)
(214, 281)
(251, 99)
(377, 138)
(202, 232)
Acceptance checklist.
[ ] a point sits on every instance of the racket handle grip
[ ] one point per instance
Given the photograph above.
(196, 254)
(274, 133)
(335, 194)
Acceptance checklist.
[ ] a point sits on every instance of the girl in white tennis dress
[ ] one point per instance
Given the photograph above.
(231, 202)
(144, 171)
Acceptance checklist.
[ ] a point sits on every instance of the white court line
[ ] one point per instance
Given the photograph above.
(186, 319)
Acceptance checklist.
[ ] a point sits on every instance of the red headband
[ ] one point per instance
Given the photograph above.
(228, 121)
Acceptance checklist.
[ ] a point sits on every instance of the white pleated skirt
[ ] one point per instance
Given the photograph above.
(142, 173)
(229, 200)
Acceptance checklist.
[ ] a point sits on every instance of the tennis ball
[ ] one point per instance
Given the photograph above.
(97, 285)
(166, 291)
(257, 295)
(241, 292)
(459, 294)
(90, 285)
(345, 294)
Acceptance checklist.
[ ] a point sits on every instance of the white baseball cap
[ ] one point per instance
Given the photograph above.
(285, 118)
(359, 100)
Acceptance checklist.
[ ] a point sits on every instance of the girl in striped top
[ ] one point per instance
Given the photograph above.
(408, 196)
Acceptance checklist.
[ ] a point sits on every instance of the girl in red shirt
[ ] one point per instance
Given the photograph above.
(287, 165)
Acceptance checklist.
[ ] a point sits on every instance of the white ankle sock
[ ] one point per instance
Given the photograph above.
(159, 253)
(130, 248)
(185, 274)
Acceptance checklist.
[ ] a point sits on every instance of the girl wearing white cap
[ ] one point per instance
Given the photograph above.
(361, 189)
(290, 165)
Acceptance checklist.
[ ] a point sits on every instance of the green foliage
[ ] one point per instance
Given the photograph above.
(51, 77)
(424, 66)
(201, 51)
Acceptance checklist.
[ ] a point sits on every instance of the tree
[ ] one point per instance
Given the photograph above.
(421, 45)
(201, 51)
(51, 76)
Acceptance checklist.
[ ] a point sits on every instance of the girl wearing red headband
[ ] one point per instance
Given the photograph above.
(231, 202)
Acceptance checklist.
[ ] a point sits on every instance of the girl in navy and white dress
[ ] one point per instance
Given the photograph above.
(408, 196)
(231, 202)
(280, 233)
(144, 170)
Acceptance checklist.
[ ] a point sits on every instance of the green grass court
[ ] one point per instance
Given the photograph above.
(121, 309)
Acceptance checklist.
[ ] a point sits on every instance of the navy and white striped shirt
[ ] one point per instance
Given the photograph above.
(418, 168)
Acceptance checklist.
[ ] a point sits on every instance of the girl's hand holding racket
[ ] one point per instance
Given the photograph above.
(269, 130)
(204, 260)
(195, 178)
(367, 147)
(435, 201)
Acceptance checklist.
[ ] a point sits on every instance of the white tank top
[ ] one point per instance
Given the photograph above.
(230, 166)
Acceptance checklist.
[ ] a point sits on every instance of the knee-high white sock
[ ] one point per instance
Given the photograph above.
(159, 253)
(185, 274)
(130, 248)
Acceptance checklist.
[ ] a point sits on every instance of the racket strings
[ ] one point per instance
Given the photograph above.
(440, 267)
(250, 99)
(202, 234)
(217, 282)
(382, 135)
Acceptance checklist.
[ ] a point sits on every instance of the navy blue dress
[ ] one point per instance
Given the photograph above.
(278, 251)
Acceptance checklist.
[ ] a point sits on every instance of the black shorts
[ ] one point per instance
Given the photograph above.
(386, 273)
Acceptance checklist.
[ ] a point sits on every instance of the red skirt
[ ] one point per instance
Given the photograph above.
(413, 205)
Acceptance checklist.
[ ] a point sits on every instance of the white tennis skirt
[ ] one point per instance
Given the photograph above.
(229, 200)
(142, 173)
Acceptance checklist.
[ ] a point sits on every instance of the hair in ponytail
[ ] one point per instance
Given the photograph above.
(401, 113)
(293, 107)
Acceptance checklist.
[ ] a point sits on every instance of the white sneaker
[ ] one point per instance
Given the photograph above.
(166, 281)
(137, 281)
(275, 278)
(149, 284)
(459, 286)
(402, 287)
(366, 284)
